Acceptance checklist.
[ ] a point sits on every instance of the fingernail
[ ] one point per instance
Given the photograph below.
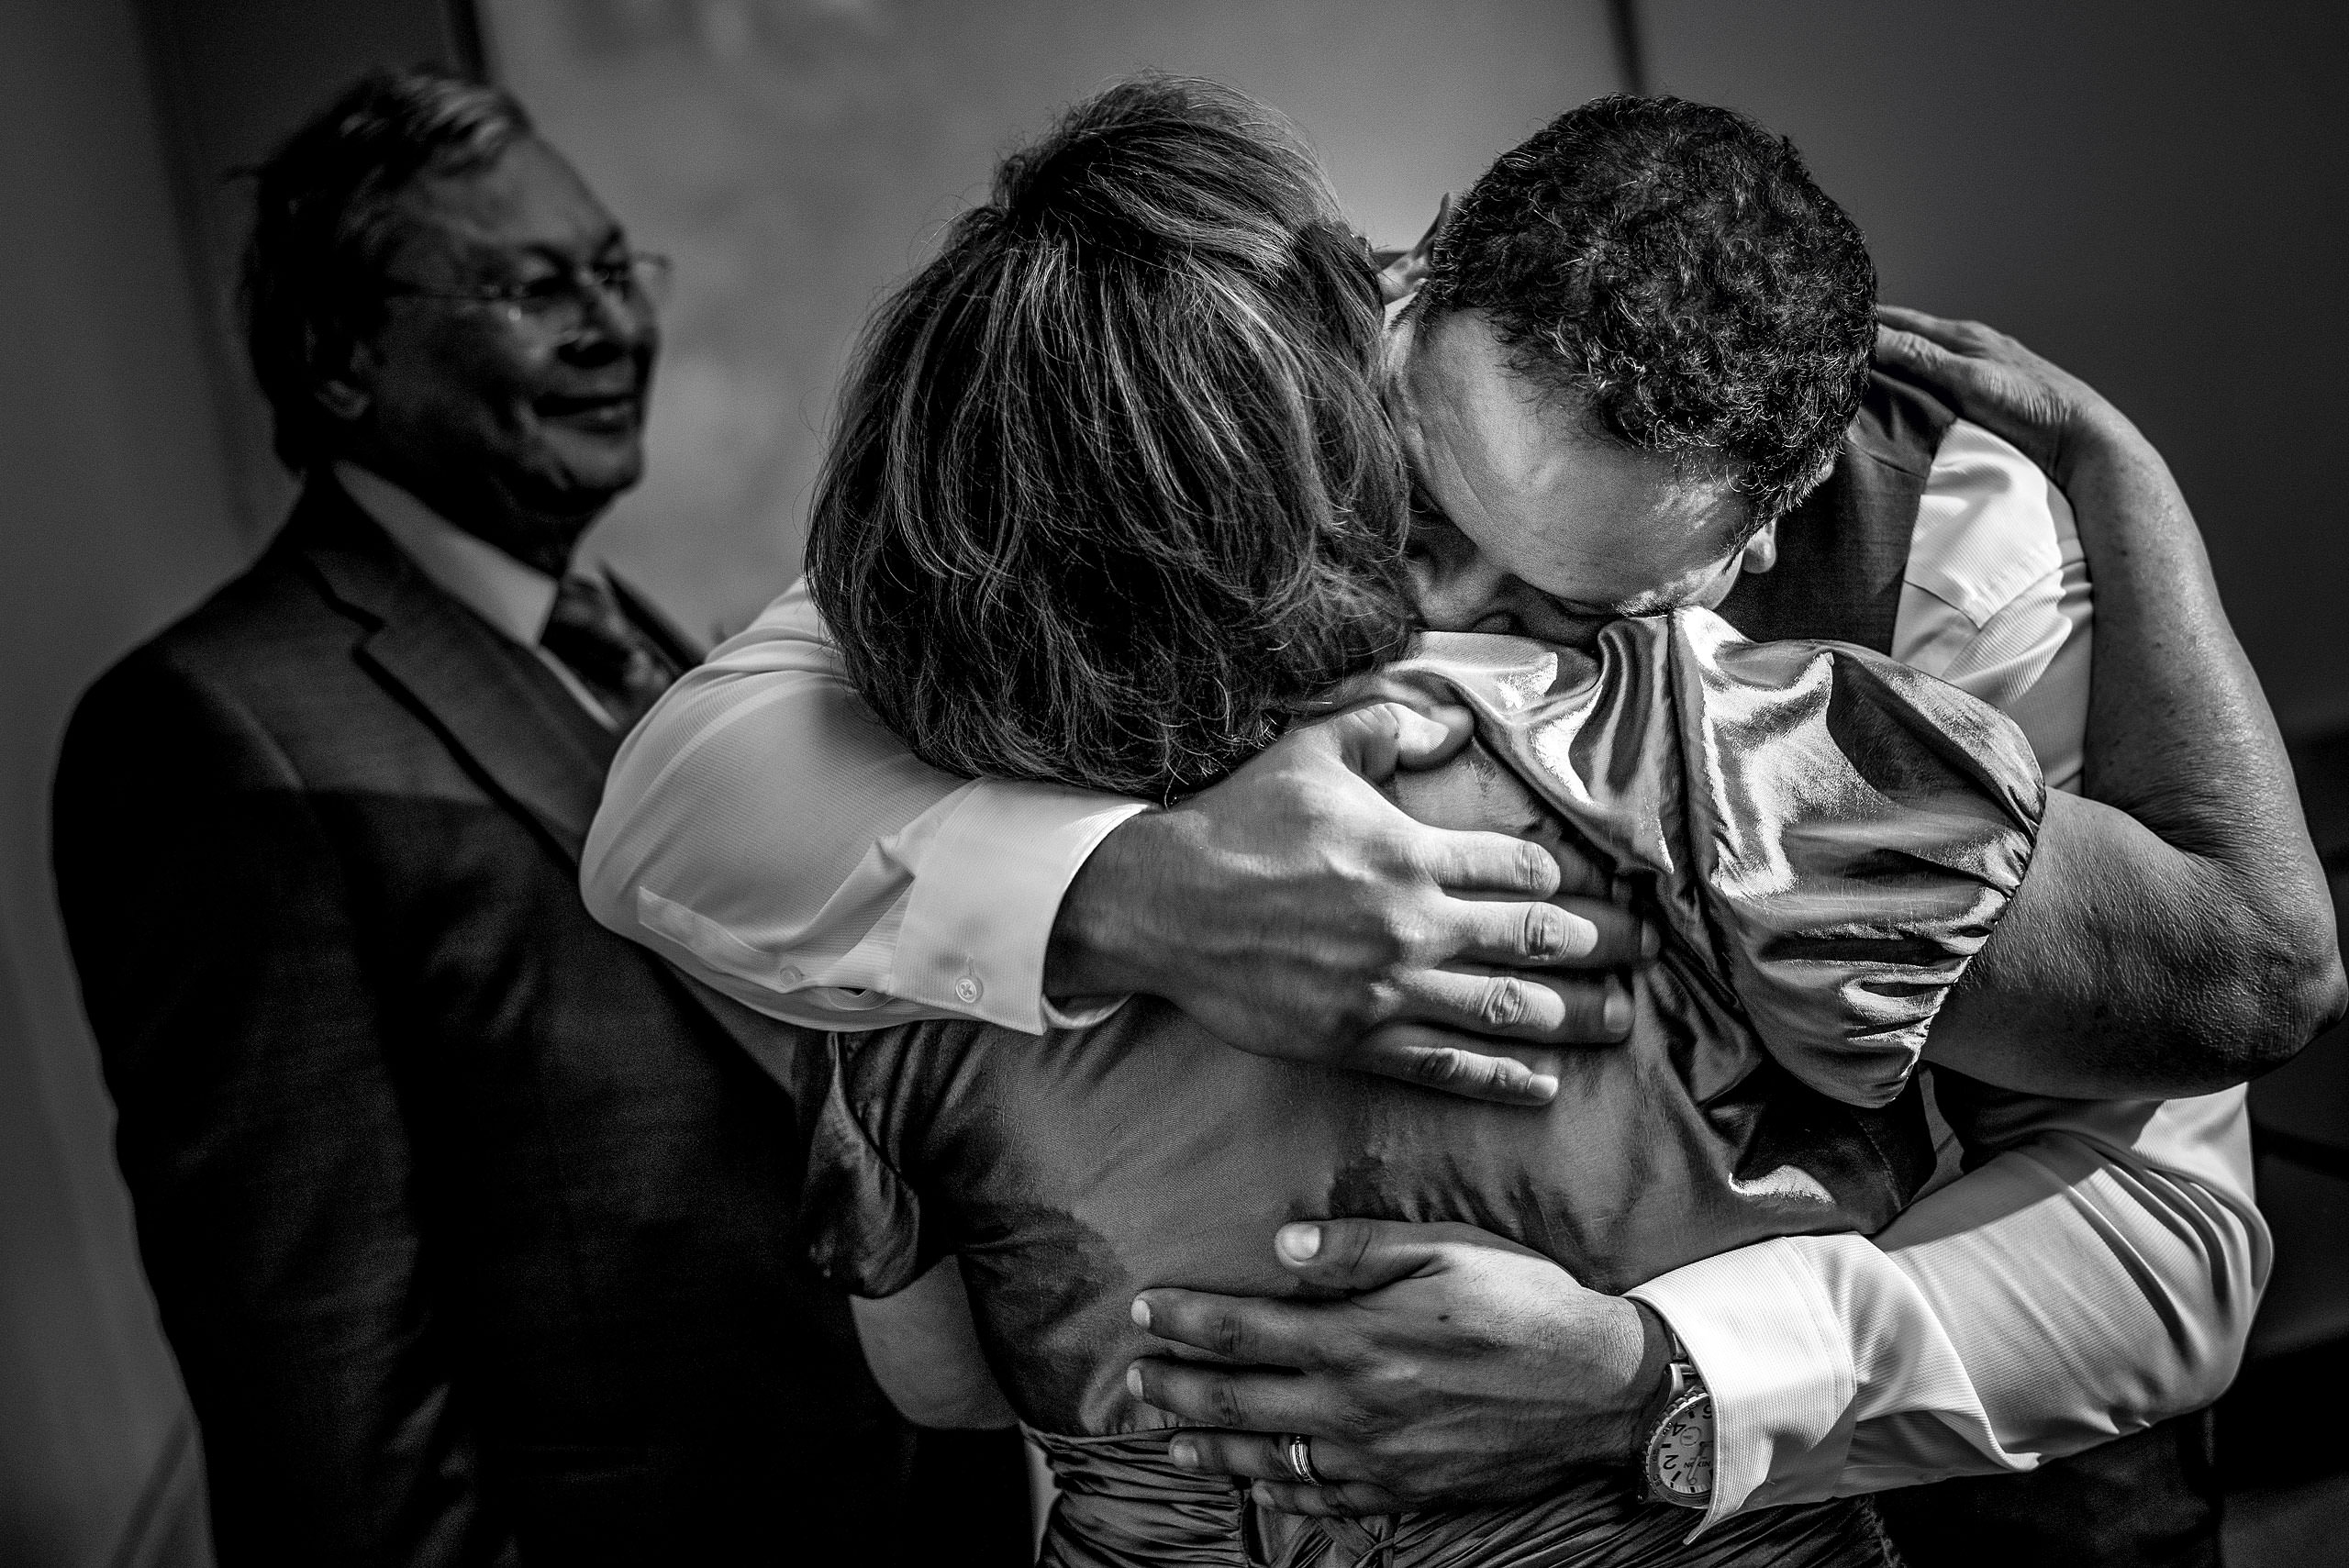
(1651, 941)
(1140, 1313)
(1133, 1382)
(1580, 935)
(1617, 1013)
(1184, 1452)
(1542, 1087)
(1299, 1243)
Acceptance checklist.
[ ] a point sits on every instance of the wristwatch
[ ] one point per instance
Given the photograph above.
(1677, 1466)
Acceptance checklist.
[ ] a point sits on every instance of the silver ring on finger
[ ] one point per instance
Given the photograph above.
(1300, 1460)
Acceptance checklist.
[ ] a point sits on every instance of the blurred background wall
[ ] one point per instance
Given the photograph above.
(2146, 190)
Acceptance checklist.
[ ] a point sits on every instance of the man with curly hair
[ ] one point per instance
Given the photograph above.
(1648, 319)
(1637, 379)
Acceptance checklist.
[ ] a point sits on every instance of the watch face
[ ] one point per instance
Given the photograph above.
(1682, 1459)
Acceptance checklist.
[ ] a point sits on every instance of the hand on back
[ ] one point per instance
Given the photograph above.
(1428, 1364)
(1299, 913)
(1987, 377)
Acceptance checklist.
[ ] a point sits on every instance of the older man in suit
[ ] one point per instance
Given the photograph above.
(469, 1220)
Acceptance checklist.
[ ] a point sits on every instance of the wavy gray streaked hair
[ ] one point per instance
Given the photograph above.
(1111, 496)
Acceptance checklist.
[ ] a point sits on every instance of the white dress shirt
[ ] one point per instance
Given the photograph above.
(2096, 1271)
(513, 597)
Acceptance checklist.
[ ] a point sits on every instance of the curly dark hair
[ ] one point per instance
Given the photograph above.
(323, 226)
(1111, 496)
(1672, 269)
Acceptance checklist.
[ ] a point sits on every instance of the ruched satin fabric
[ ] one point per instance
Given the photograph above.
(1122, 1502)
(1830, 833)
(1825, 838)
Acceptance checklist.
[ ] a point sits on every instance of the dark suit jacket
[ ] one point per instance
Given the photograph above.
(471, 1221)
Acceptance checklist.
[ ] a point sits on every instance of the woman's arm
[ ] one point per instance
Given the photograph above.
(924, 1352)
(2175, 935)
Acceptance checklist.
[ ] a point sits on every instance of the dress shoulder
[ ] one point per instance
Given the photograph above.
(1829, 834)
(863, 1223)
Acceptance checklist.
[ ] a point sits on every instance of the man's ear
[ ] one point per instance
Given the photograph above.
(344, 385)
(1762, 550)
(1401, 278)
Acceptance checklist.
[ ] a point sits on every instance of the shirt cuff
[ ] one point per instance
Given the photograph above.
(981, 912)
(1761, 1330)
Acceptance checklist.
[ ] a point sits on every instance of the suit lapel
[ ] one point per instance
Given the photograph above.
(499, 709)
(503, 713)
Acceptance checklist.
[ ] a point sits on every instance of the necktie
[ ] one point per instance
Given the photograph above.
(597, 641)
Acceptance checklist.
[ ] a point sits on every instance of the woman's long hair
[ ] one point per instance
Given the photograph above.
(1112, 496)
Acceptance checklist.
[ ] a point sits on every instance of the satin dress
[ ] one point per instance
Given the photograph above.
(1824, 838)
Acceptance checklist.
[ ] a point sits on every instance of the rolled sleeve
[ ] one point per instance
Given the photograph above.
(2096, 1275)
(976, 927)
(763, 830)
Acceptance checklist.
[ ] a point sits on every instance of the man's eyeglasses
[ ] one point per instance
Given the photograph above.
(558, 303)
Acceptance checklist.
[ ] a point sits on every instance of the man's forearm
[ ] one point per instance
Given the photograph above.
(2174, 935)
(2096, 1275)
(2179, 735)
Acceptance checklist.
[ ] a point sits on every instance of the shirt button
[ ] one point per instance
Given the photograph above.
(968, 989)
(789, 975)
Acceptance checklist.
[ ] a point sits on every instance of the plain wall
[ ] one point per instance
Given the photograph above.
(117, 516)
(797, 159)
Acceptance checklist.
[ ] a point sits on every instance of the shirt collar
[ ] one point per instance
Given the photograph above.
(515, 598)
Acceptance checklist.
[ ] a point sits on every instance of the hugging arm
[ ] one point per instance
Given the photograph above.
(2174, 935)
(2095, 1273)
(761, 829)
